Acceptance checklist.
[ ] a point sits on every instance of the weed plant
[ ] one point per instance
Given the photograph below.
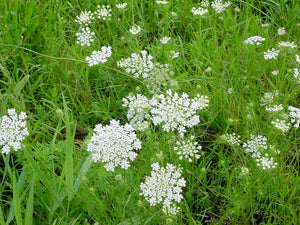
(228, 106)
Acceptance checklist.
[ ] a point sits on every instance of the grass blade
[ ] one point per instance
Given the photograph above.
(16, 201)
(29, 205)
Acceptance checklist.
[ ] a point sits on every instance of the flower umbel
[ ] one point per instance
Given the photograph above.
(103, 12)
(188, 149)
(176, 113)
(138, 112)
(295, 116)
(85, 37)
(271, 54)
(113, 144)
(85, 17)
(164, 185)
(13, 130)
(99, 56)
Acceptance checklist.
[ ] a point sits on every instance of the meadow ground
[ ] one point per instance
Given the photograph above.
(210, 90)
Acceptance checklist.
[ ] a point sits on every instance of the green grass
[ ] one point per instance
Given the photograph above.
(53, 180)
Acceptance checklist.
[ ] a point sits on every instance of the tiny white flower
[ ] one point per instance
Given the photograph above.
(287, 44)
(199, 11)
(174, 54)
(103, 12)
(232, 139)
(162, 2)
(275, 72)
(266, 163)
(85, 17)
(208, 69)
(188, 149)
(297, 57)
(85, 37)
(271, 54)
(281, 31)
(165, 40)
(135, 29)
(219, 6)
(254, 40)
(265, 24)
(99, 56)
(121, 5)
(295, 116)
(281, 125)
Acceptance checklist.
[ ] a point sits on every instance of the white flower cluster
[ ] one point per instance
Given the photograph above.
(271, 54)
(85, 18)
(254, 40)
(295, 116)
(281, 125)
(103, 12)
(265, 162)
(176, 113)
(162, 2)
(121, 5)
(85, 37)
(138, 65)
(281, 31)
(268, 100)
(297, 58)
(232, 139)
(13, 130)
(135, 29)
(165, 40)
(188, 149)
(256, 145)
(138, 113)
(296, 75)
(220, 6)
(287, 44)
(164, 185)
(159, 78)
(113, 144)
(99, 56)
(199, 11)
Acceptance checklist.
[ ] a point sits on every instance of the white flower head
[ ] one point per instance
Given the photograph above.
(176, 113)
(281, 31)
(165, 40)
(162, 2)
(275, 72)
(137, 64)
(85, 18)
(138, 112)
(188, 149)
(254, 40)
(295, 116)
(256, 145)
(99, 56)
(164, 185)
(174, 54)
(121, 5)
(103, 12)
(13, 130)
(265, 162)
(265, 24)
(281, 125)
(135, 29)
(296, 75)
(113, 145)
(287, 44)
(232, 139)
(297, 57)
(85, 37)
(271, 54)
(220, 6)
(199, 11)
